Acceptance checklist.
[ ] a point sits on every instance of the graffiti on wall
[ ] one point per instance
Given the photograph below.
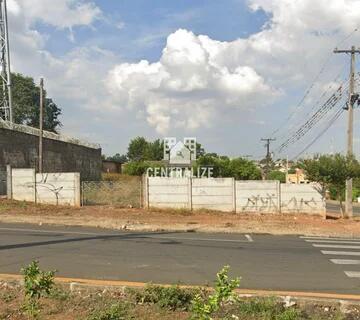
(266, 202)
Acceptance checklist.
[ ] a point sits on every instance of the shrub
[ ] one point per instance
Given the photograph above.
(118, 311)
(172, 298)
(203, 308)
(37, 284)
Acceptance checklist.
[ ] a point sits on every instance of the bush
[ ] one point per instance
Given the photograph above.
(118, 311)
(203, 308)
(37, 284)
(171, 298)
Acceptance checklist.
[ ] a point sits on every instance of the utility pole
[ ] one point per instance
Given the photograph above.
(350, 130)
(6, 112)
(41, 120)
(268, 154)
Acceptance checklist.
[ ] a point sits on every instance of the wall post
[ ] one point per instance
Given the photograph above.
(77, 190)
(190, 194)
(279, 197)
(234, 194)
(9, 182)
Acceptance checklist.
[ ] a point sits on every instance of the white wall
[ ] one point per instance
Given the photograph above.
(306, 198)
(58, 188)
(51, 188)
(213, 194)
(257, 196)
(224, 194)
(169, 192)
(23, 184)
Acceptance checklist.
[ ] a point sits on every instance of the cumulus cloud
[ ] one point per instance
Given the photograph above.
(197, 77)
(188, 86)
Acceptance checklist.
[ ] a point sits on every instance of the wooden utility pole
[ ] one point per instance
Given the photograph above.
(268, 154)
(41, 120)
(350, 130)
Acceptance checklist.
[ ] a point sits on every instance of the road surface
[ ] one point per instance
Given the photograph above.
(289, 263)
(335, 208)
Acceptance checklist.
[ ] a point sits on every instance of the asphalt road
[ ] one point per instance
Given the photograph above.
(288, 263)
(335, 207)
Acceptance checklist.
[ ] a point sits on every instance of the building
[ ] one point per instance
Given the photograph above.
(298, 177)
(110, 166)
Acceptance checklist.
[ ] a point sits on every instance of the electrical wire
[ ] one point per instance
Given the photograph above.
(329, 124)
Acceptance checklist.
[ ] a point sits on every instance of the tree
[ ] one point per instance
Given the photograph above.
(277, 175)
(332, 171)
(137, 149)
(26, 104)
(155, 150)
(121, 158)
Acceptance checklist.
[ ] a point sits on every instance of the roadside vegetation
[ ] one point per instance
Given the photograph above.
(40, 298)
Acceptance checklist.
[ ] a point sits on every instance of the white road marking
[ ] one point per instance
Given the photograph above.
(334, 241)
(352, 274)
(335, 246)
(344, 261)
(329, 238)
(341, 253)
(248, 237)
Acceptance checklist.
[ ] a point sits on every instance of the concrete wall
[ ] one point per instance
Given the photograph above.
(224, 194)
(58, 188)
(50, 188)
(213, 194)
(257, 196)
(23, 184)
(302, 198)
(19, 148)
(169, 192)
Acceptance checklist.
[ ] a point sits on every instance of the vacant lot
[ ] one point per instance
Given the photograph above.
(171, 220)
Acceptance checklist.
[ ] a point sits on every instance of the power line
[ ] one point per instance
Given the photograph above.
(329, 124)
(314, 119)
(307, 92)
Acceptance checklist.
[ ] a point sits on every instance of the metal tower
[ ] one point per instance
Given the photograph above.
(5, 96)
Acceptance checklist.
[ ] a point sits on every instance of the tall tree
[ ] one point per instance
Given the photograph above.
(137, 149)
(26, 99)
(332, 171)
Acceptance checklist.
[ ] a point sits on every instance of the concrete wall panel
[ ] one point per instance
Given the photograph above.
(23, 184)
(257, 196)
(168, 192)
(302, 198)
(213, 194)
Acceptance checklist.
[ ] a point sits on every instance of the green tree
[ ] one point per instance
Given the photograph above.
(121, 158)
(137, 150)
(331, 172)
(155, 150)
(277, 175)
(26, 101)
(243, 169)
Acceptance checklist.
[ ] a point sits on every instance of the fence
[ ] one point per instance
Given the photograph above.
(51, 188)
(124, 193)
(226, 194)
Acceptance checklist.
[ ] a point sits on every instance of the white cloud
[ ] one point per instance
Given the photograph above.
(198, 78)
(187, 87)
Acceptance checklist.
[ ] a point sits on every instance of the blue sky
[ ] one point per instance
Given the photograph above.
(229, 87)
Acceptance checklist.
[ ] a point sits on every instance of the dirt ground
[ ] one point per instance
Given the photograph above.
(177, 220)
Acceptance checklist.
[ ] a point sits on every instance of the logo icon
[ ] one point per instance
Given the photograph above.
(179, 153)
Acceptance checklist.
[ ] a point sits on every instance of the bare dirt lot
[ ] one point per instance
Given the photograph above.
(177, 220)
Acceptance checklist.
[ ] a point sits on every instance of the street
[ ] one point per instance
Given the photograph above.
(290, 263)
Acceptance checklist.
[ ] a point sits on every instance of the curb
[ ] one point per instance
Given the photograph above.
(78, 284)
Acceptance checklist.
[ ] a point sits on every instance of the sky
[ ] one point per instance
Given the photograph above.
(226, 72)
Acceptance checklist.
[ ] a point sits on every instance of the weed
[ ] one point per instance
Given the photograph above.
(37, 284)
(172, 298)
(203, 308)
(118, 311)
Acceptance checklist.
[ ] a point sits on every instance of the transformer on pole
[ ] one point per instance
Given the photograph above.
(5, 76)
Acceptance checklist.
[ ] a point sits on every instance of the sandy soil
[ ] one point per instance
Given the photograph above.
(175, 220)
